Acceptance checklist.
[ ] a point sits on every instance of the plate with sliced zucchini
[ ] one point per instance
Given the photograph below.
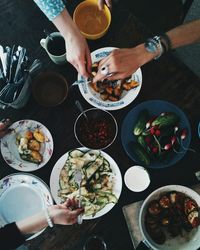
(101, 181)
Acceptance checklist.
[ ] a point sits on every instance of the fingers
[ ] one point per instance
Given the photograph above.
(100, 4)
(88, 61)
(4, 124)
(109, 3)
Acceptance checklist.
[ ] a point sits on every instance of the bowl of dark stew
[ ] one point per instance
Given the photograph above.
(95, 128)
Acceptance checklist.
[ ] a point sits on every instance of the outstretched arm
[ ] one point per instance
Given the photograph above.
(123, 62)
(78, 53)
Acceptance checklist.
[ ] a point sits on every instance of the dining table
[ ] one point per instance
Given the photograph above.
(166, 79)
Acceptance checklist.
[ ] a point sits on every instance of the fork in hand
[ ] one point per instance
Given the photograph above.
(78, 180)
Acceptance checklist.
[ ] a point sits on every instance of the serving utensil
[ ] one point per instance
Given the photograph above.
(80, 107)
(78, 180)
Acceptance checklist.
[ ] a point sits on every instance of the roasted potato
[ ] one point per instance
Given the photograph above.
(38, 135)
(36, 156)
(28, 134)
(34, 145)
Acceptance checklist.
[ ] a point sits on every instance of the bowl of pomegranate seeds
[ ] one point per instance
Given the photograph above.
(95, 128)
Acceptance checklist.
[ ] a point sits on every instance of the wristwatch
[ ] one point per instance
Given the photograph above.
(153, 45)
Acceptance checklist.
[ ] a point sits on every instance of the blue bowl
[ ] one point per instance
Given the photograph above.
(154, 107)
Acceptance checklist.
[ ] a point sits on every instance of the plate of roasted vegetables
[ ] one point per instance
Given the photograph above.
(156, 134)
(109, 95)
(169, 218)
(101, 183)
(28, 146)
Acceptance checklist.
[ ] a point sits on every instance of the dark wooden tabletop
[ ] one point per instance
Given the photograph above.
(166, 79)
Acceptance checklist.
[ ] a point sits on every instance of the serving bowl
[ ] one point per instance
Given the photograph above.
(92, 22)
(187, 241)
(50, 89)
(95, 128)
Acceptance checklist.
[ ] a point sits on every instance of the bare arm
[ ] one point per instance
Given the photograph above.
(123, 62)
(185, 34)
(60, 214)
(78, 53)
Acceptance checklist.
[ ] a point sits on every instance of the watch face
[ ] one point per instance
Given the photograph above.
(150, 46)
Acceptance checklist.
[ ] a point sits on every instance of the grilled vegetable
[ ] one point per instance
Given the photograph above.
(141, 154)
(140, 126)
(168, 119)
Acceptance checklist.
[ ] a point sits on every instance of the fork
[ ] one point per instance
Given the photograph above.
(78, 180)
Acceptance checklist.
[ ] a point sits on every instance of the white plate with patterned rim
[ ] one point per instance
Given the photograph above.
(9, 147)
(93, 97)
(22, 195)
(55, 174)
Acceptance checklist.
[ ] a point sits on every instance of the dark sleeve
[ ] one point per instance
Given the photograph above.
(10, 237)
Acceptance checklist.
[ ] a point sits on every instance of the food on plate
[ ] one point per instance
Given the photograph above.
(173, 214)
(96, 133)
(97, 180)
(29, 145)
(111, 90)
(157, 137)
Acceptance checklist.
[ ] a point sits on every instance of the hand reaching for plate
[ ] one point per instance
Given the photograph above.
(121, 63)
(4, 124)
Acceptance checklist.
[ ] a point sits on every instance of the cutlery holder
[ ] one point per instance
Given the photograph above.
(22, 98)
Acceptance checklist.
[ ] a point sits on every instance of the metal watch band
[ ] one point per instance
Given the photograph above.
(156, 46)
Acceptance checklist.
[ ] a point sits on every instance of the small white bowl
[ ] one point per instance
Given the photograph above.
(137, 178)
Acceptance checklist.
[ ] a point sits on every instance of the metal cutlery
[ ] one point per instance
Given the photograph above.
(80, 107)
(78, 180)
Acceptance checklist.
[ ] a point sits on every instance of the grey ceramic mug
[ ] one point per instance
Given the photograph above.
(58, 59)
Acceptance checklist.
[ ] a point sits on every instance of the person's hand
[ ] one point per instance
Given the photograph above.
(78, 53)
(66, 213)
(122, 63)
(102, 2)
(4, 124)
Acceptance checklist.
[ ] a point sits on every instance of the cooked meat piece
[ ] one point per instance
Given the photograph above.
(34, 145)
(193, 218)
(154, 208)
(173, 197)
(129, 85)
(113, 98)
(174, 230)
(189, 205)
(94, 86)
(36, 156)
(28, 134)
(164, 202)
(109, 90)
(117, 91)
(104, 96)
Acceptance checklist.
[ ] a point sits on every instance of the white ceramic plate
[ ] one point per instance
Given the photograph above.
(9, 148)
(22, 195)
(93, 97)
(188, 241)
(55, 174)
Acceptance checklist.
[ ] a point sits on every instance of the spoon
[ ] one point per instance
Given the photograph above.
(80, 107)
(78, 180)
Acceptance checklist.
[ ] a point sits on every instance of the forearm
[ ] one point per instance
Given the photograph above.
(185, 34)
(65, 24)
(32, 224)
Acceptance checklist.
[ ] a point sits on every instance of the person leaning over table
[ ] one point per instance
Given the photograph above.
(14, 234)
(121, 63)
(78, 53)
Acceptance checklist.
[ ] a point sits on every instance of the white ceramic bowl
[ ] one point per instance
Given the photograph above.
(191, 240)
